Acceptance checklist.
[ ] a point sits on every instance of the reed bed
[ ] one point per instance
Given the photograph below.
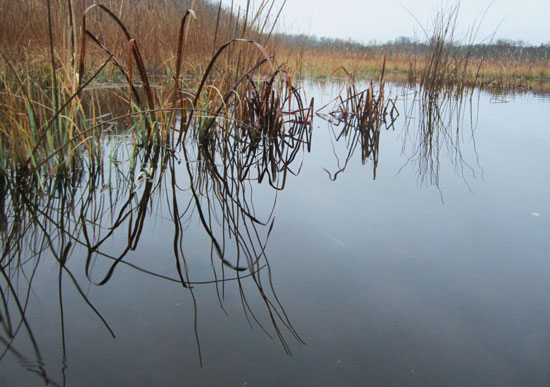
(25, 30)
(69, 182)
(201, 66)
(52, 116)
(83, 161)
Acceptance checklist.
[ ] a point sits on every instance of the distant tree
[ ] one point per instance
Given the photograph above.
(403, 41)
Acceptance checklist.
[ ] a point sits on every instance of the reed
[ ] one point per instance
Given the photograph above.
(362, 113)
(51, 116)
(447, 63)
(43, 128)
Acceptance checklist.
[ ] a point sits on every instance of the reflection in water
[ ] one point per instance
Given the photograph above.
(81, 215)
(101, 214)
(435, 123)
(362, 114)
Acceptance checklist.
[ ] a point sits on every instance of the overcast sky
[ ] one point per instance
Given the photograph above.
(384, 20)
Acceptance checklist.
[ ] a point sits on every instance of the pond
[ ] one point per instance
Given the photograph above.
(418, 259)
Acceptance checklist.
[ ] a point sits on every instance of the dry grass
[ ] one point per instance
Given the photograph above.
(493, 73)
(24, 30)
(189, 65)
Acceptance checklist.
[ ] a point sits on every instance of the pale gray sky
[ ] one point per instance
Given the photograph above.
(385, 20)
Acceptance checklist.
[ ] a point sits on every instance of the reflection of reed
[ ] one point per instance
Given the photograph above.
(441, 120)
(362, 114)
(32, 217)
(263, 147)
(79, 213)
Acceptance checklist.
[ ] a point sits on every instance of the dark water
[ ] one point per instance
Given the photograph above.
(435, 273)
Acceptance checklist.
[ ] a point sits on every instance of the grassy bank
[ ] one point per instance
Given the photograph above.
(441, 59)
(488, 72)
(154, 24)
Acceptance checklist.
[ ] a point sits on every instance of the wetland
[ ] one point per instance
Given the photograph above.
(178, 207)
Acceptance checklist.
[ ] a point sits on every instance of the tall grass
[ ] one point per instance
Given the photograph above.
(167, 70)
(447, 64)
(43, 127)
(25, 31)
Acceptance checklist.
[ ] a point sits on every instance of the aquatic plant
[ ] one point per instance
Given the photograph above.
(51, 122)
(362, 114)
(72, 219)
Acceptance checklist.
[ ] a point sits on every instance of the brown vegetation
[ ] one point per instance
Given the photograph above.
(174, 70)
(487, 72)
(164, 60)
(24, 28)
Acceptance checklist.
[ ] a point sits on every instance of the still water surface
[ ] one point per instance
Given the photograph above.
(419, 277)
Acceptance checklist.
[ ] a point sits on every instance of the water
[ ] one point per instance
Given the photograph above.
(434, 273)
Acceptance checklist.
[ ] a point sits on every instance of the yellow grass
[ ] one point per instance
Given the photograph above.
(489, 72)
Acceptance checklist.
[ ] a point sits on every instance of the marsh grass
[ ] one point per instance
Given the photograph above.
(40, 131)
(197, 68)
(52, 118)
(447, 65)
(487, 72)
